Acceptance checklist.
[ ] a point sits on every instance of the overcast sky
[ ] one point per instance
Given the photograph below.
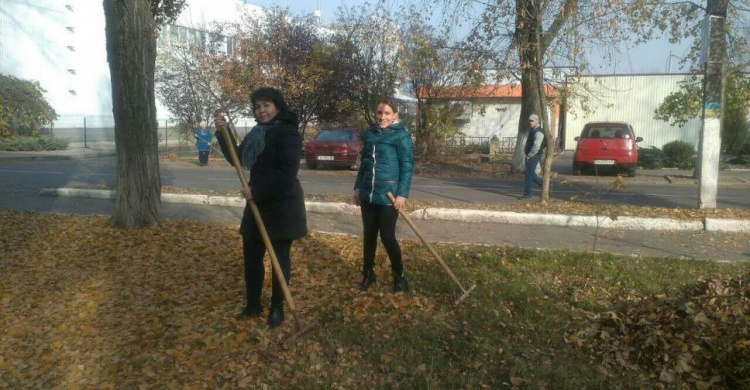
(648, 58)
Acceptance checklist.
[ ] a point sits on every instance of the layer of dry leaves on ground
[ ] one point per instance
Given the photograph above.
(696, 339)
(85, 304)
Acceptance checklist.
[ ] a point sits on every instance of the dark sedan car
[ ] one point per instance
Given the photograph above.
(334, 147)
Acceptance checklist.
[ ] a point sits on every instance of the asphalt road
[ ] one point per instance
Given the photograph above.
(648, 189)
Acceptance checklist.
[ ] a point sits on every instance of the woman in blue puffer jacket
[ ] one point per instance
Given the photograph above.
(387, 163)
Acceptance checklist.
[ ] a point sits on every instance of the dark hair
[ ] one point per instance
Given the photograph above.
(269, 94)
(389, 102)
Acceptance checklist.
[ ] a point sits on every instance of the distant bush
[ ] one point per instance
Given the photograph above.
(650, 158)
(32, 144)
(745, 149)
(739, 160)
(679, 154)
(23, 108)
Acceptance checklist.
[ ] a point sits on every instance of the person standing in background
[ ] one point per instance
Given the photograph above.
(203, 139)
(534, 150)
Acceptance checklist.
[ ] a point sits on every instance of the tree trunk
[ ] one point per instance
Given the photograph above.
(131, 53)
(549, 153)
(527, 31)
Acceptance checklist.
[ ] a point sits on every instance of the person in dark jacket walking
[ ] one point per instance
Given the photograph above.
(202, 142)
(387, 163)
(271, 152)
(534, 150)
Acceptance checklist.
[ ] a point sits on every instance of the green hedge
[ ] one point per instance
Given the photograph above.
(31, 144)
(650, 158)
(679, 154)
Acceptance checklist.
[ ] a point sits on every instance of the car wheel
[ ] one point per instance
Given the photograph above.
(355, 167)
(631, 172)
(577, 169)
(311, 165)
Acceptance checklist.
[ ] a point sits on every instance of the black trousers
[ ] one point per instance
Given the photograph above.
(203, 157)
(381, 219)
(253, 252)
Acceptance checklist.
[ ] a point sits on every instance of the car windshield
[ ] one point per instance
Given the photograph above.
(333, 135)
(605, 131)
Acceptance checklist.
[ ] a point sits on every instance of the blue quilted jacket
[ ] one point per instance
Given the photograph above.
(387, 163)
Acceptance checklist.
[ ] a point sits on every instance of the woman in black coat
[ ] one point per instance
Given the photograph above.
(271, 151)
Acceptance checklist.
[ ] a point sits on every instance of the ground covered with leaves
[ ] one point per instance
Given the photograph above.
(699, 337)
(84, 304)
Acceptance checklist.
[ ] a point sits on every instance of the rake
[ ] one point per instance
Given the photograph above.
(464, 292)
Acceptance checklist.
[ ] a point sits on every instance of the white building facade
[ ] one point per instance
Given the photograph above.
(494, 111)
(62, 45)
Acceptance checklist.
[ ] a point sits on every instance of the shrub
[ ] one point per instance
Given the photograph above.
(735, 137)
(679, 154)
(650, 158)
(23, 108)
(4, 119)
(30, 144)
(739, 160)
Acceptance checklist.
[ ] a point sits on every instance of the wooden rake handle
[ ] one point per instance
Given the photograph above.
(429, 247)
(259, 221)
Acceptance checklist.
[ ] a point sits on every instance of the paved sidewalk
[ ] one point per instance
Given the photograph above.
(687, 244)
(457, 215)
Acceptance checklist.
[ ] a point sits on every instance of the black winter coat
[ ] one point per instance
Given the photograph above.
(273, 181)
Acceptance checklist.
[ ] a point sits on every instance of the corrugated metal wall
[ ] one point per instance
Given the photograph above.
(627, 98)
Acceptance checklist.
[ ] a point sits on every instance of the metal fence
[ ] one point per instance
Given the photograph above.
(508, 144)
(469, 144)
(92, 129)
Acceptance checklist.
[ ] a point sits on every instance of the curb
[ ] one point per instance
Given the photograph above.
(513, 218)
(457, 215)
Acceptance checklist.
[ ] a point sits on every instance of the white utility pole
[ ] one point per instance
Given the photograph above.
(713, 55)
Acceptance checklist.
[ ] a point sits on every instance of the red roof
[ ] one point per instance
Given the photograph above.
(486, 91)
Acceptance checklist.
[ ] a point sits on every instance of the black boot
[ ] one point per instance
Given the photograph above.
(400, 284)
(367, 279)
(251, 310)
(276, 317)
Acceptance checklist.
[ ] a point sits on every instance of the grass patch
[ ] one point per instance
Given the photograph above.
(85, 304)
(32, 144)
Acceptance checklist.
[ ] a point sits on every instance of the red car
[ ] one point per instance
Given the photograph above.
(606, 146)
(334, 147)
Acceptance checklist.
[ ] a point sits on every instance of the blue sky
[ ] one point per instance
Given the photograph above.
(648, 58)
